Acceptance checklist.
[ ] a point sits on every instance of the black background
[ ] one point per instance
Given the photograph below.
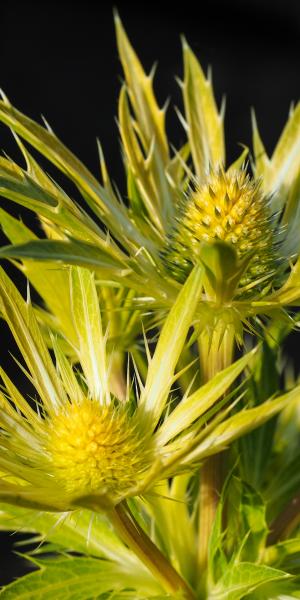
(60, 59)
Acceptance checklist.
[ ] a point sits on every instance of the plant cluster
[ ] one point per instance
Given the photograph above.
(157, 455)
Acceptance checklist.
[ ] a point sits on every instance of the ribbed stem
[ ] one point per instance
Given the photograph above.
(216, 353)
(138, 541)
(117, 380)
(210, 487)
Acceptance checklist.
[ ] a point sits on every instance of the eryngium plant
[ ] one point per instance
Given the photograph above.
(147, 459)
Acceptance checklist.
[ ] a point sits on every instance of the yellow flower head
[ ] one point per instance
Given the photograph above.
(92, 447)
(151, 246)
(228, 207)
(81, 446)
(82, 441)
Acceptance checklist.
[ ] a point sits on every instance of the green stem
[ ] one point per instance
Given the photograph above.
(138, 541)
(210, 487)
(117, 379)
(216, 353)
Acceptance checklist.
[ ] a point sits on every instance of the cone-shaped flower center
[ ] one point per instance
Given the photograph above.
(93, 447)
(228, 207)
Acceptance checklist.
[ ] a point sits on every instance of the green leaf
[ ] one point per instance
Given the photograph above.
(76, 579)
(178, 168)
(223, 269)
(23, 325)
(192, 407)
(171, 341)
(256, 447)
(217, 559)
(285, 161)
(150, 118)
(88, 326)
(290, 219)
(80, 531)
(243, 578)
(111, 267)
(285, 481)
(141, 167)
(288, 294)
(239, 162)
(253, 528)
(48, 201)
(284, 555)
(14, 229)
(279, 171)
(262, 161)
(239, 424)
(174, 526)
(204, 123)
(146, 161)
(48, 279)
(45, 141)
(72, 252)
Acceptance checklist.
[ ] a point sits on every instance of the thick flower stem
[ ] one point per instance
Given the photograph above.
(216, 352)
(116, 358)
(138, 541)
(117, 380)
(210, 487)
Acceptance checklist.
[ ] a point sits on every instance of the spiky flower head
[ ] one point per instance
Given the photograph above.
(80, 439)
(91, 447)
(80, 446)
(228, 207)
(154, 238)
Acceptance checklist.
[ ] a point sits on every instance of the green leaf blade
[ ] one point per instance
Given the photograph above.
(73, 579)
(243, 578)
(205, 124)
(171, 341)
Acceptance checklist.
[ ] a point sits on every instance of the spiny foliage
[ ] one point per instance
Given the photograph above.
(109, 461)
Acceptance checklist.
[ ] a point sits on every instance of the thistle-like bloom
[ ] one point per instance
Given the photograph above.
(183, 208)
(229, 207)
(78, 445)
